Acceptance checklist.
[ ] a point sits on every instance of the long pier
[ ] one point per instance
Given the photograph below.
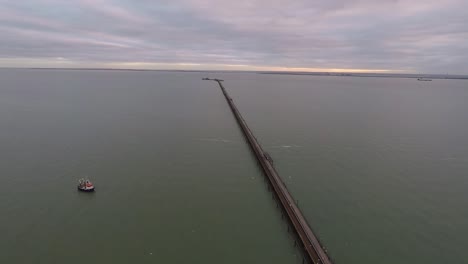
(312, 247)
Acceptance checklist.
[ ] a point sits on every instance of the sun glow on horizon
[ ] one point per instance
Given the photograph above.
(61, 62)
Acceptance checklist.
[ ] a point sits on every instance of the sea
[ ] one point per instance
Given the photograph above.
(377, 164)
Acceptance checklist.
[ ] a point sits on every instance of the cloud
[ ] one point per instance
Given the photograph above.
(417, 36)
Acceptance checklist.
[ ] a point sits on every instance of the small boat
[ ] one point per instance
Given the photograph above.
(85, 185)
(424, 79)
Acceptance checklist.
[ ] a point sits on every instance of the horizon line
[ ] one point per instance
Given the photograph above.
(290, 72)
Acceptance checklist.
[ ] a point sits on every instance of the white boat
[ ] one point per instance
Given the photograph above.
(85, 185)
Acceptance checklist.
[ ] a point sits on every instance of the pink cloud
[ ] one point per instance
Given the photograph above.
(109, 8)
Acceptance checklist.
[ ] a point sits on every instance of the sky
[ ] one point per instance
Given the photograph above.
(417, 36)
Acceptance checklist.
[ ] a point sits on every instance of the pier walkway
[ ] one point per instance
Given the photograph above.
(312, 247)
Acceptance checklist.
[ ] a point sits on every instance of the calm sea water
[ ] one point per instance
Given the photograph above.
(379, 166)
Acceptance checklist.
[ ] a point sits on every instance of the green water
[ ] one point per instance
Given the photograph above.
(379, 166)
(175, 182)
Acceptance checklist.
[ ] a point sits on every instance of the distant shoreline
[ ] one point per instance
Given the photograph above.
(375, 75)
(97, 69)
(335, 74)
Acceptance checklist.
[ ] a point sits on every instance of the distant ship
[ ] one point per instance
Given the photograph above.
(424, 79)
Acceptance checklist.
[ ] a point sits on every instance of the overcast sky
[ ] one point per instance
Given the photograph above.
(364, 35)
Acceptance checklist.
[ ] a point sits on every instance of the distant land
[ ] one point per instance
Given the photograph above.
(381, 75)
(346, 74)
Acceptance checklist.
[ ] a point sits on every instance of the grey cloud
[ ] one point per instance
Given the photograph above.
(422, 36)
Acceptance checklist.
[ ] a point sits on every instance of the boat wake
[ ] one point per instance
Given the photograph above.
(215, 140)
(287, 146)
